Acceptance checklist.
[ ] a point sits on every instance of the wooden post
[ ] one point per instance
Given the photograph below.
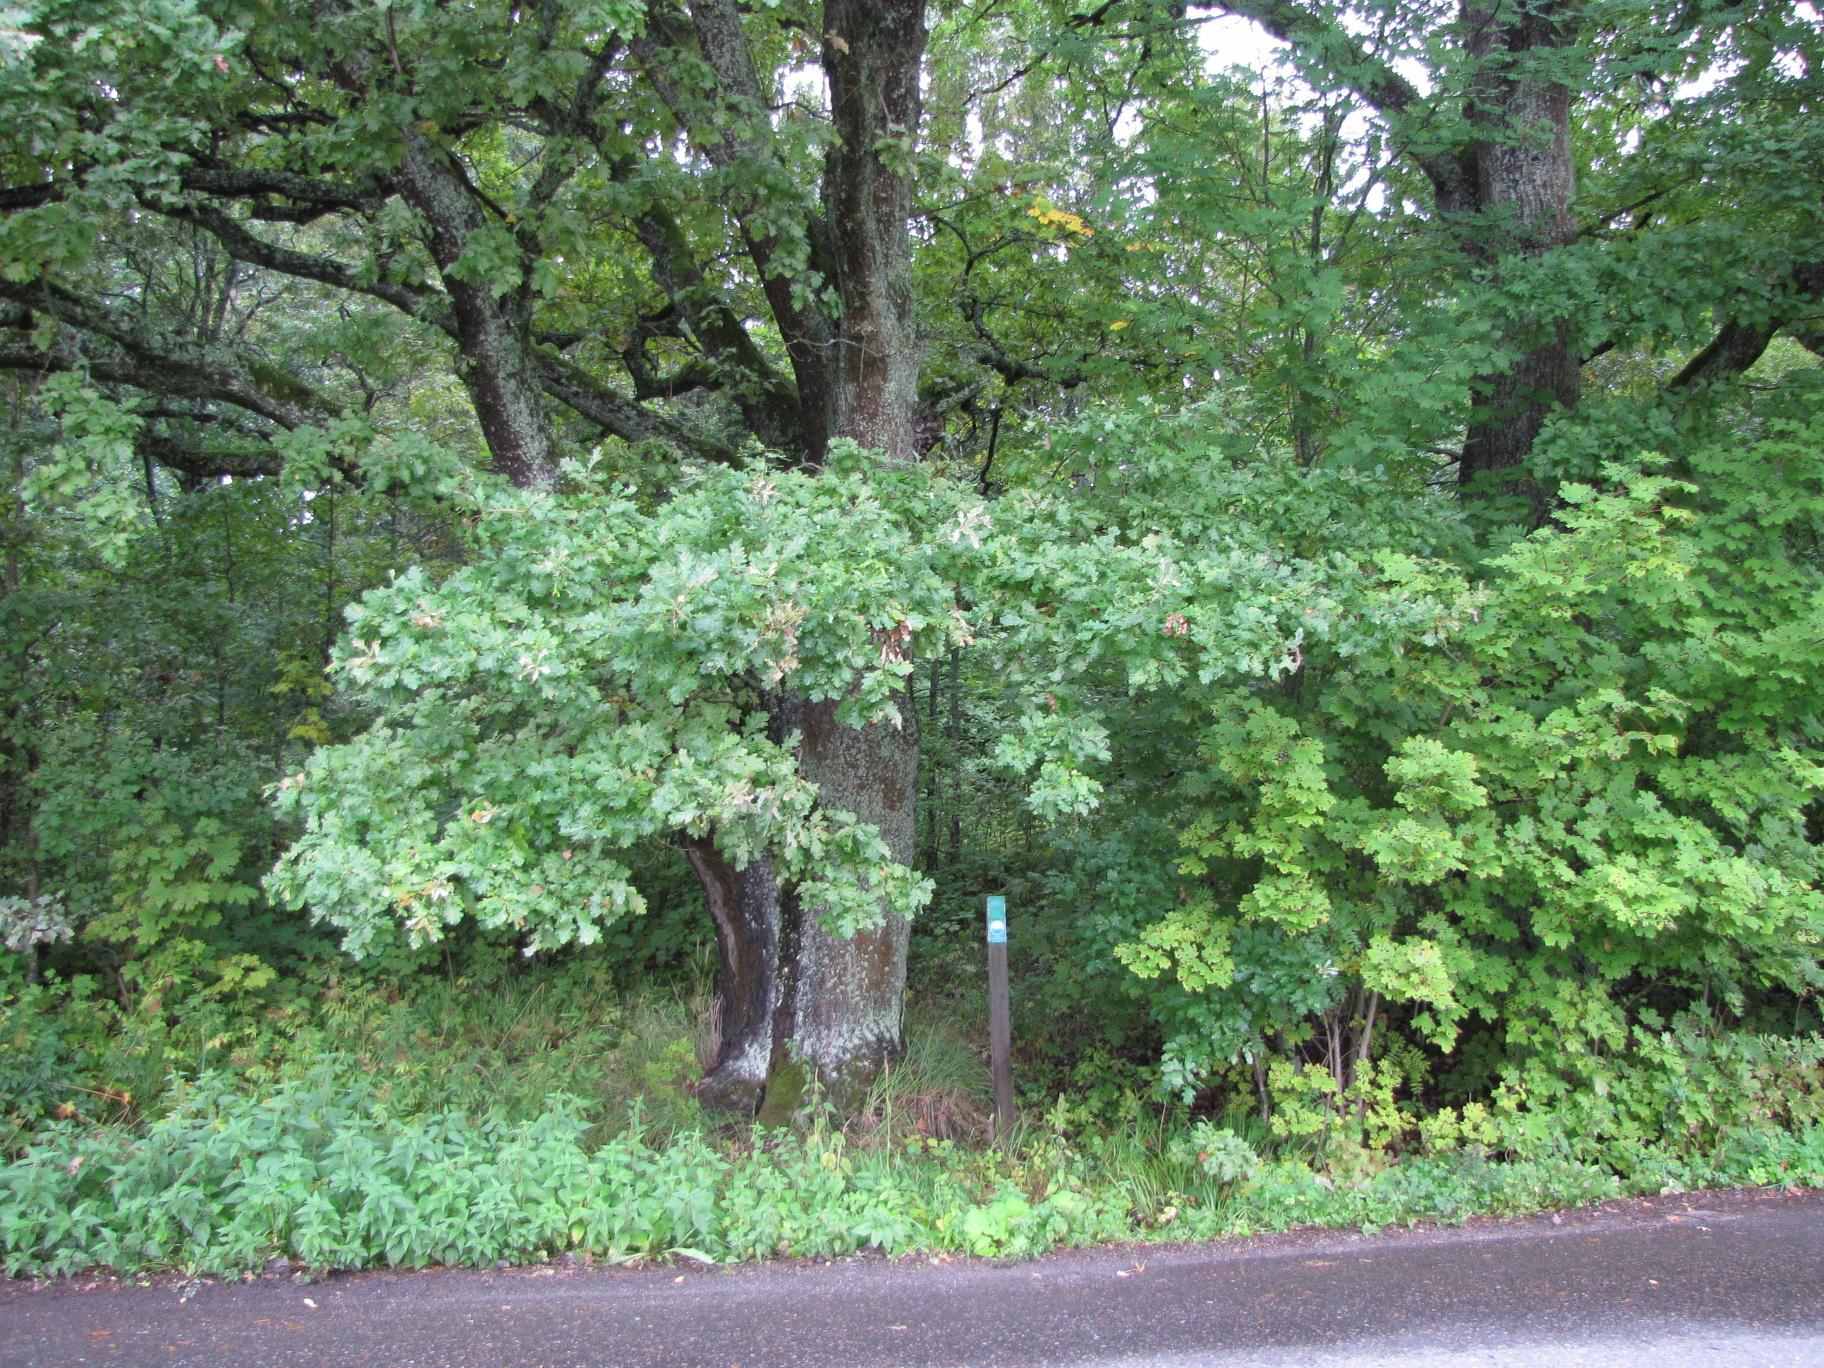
(1000, 1025)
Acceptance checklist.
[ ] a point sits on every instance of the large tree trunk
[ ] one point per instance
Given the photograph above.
(788, 992)
(844, 997)
(871, 54)
(1523, 179)
(791, 997)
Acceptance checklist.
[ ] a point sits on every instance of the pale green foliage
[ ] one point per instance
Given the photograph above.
(1220, 1154)
(600, 676)
(606, 672)
(26, 923)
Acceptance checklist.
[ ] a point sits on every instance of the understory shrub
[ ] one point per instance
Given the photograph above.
(322, 1171)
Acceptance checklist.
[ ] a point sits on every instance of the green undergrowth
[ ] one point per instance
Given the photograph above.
(519, 1115)
(323, 1173)
(477, 1040)
(330, 1171)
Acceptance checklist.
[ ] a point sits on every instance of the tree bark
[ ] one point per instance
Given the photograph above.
(788, 991)
(1523, 181)
(792, 997)
(744, 905)
(1739, 344)
(845, 997)
(493, 331)
(1504, 188)
(872, 55)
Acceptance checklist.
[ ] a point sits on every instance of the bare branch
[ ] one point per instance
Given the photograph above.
(1322, 40)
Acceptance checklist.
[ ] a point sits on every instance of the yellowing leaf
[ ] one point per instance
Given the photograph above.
(1118, 324)
(1050, 216)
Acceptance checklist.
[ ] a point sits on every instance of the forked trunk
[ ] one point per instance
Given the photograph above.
(793, 999)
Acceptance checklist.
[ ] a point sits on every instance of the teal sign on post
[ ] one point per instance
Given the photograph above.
(1000, 1016)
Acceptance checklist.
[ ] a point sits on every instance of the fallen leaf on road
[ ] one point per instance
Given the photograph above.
(100, 1334)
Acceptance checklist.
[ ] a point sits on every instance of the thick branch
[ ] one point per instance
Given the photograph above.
(274, 195)
(493, 329)
(1738, 345)
(250, 456)
(729, 124)
(573, 124)
(201, 462)
(768, 401)
(557, 378)
(162, 363)
(427, 306)
(615, 415)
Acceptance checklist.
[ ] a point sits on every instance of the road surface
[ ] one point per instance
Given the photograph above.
(1712, 1278)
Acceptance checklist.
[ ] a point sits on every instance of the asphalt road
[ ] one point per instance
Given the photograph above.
(1711, 1278)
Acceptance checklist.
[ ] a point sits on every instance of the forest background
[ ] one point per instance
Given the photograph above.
(554, 553)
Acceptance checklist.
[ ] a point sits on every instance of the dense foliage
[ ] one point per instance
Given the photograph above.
(1339, 544)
